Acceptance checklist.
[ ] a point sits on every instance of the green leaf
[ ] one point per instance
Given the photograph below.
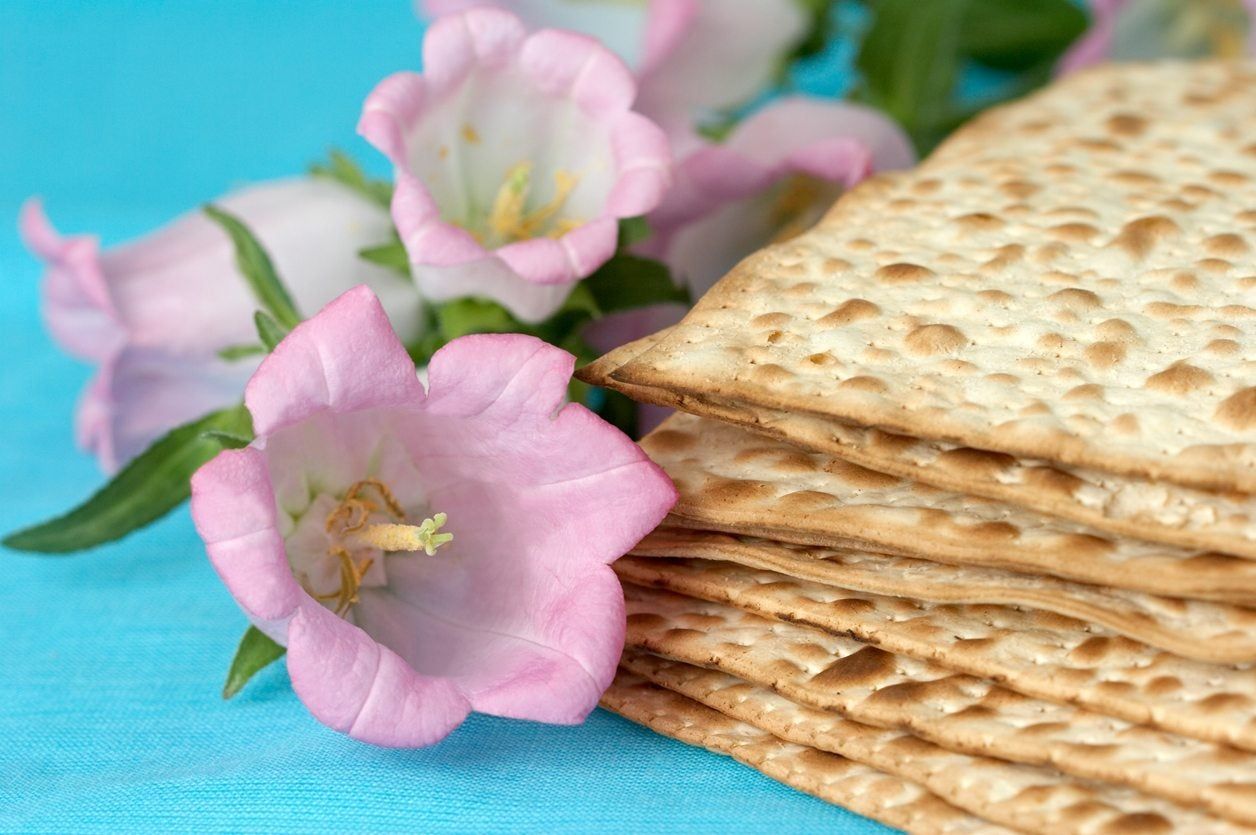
(341, 168)
(256, 652)
(238, 352)
(392, 255)
(1022, 35)
(581, 300)
(145, 490)
(632, 230)
(257, 269)
(268, 330)
(910, 60)
(624, 282)
(629, 281)
(474, 315)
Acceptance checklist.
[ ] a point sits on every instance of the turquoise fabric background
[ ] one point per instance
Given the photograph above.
(123, 114)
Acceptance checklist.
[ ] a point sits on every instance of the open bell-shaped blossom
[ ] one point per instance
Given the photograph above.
(516, 156)
(774, 176)
(154, 313)
(1146, 30)
(691, 57)
(426, 554)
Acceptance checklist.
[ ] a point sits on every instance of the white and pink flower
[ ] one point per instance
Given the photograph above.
(154, 313)
(426, 554)
(773, 177)
(692, 58)
(516, 155)
(1123, 30)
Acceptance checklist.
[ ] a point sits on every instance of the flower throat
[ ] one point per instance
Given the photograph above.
(350, 529)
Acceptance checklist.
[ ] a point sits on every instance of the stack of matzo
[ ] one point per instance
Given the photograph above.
(967, 530)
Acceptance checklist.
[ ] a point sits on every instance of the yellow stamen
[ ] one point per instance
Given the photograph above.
(470, 135)
(394, 537)
(348, 526)
(351, 574)
(509, 220)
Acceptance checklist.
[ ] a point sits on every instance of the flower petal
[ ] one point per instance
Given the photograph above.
(643, 164)
(562, 260)
(666, 26)
(841, 160)
(390, 108)
(356, 686)
(718, 212)
(528, 643)
(77, 304)
(479, 37)
(144, 393)
(565, 487)
(233, 507)
(92, 420)
(498, 375)
(729, 52)
(586, 626)
(607, 333)
(774, 132)
(570, 65)
(423, 231)
(344, 359)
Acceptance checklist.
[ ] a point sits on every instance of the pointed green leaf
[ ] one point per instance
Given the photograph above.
(239, 352)
(256, 267)
(268, 330)
(145, 490)
(256, 651)
(341, 168)
(391, 255)
(910, 61)
(628, 281)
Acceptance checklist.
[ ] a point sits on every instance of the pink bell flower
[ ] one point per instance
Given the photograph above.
(1146, 30)
(692, 58)
(773, 178)
(515, 155)
(154, 313)
(426, 554)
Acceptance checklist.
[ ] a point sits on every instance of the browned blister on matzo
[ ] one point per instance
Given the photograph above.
(955, 711)
(1070, 279)
(741, 482)
(1036, 653)
(875, 794)
(1184, 627)
(1025, 798)
(1127, 505)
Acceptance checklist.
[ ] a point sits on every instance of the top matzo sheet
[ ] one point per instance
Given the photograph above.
(1071, 278)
